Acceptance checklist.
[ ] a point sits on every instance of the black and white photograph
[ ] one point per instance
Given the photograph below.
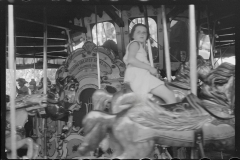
(119, 79)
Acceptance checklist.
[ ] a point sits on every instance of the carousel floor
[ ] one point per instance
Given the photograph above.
(209, 154)
(218, 155)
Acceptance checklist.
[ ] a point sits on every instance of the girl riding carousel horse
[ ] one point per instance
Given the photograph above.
(139, 73)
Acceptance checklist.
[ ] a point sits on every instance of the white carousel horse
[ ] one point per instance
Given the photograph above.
(180, 86)
(139, 125)
(23, 106)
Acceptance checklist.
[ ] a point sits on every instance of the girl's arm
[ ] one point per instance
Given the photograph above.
(132, 51)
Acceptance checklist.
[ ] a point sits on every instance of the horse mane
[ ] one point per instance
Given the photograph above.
(177, 117)
(221, 74)
(215, 79)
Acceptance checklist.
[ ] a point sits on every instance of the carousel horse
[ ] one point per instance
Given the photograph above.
(137, 125)
(180, 86)
(61, 97)
(62, 103)
(217, 80)
(24, 105)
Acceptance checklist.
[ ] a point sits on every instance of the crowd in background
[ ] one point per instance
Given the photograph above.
(33, 88)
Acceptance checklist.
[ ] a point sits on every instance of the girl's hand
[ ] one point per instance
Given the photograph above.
(153, 71)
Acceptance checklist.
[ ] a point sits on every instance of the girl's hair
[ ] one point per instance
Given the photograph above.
(134, 28)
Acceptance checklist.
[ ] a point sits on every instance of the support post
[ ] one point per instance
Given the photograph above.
(193, 54)
(98, 58)
(166, 45)
(45, 77)
(12, 68)
(148, 41)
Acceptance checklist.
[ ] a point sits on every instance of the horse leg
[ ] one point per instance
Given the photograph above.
(117, 148)
(23, 143)
(36, 150)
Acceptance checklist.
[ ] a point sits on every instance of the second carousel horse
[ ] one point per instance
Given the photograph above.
(23, 106)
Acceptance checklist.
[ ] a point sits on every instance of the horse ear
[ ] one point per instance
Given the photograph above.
(99, 98)
(123, 101)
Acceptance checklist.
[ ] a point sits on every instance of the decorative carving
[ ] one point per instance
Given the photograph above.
(88, 46)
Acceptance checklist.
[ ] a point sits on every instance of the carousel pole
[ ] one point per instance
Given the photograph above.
(45, 78)
(193, 75)
(11, 52)
(122, 37)
(211, 49)
(69, 41)
(166, 45)
(98, 61)
(193, 54)
(34, 67)
(212, 44)
(148, 41)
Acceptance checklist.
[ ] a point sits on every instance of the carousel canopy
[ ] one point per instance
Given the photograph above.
(29, 18)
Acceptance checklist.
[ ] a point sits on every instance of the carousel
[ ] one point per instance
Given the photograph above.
(90, 112)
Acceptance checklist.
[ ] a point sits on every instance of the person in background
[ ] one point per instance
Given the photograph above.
(110, 44)
(22, 90)
(33, 86)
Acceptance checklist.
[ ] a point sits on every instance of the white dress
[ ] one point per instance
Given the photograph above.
(141, 80)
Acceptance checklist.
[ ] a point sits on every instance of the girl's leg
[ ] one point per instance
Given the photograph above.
(166, 94)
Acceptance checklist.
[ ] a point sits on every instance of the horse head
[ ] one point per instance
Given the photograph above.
(96, 125)
(114, 103)
(62, 97)
(183, 72)
(219, 85)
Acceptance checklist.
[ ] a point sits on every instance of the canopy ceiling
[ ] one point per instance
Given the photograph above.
(61, 13)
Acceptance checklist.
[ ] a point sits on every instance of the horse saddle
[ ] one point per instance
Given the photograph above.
(184, 86)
